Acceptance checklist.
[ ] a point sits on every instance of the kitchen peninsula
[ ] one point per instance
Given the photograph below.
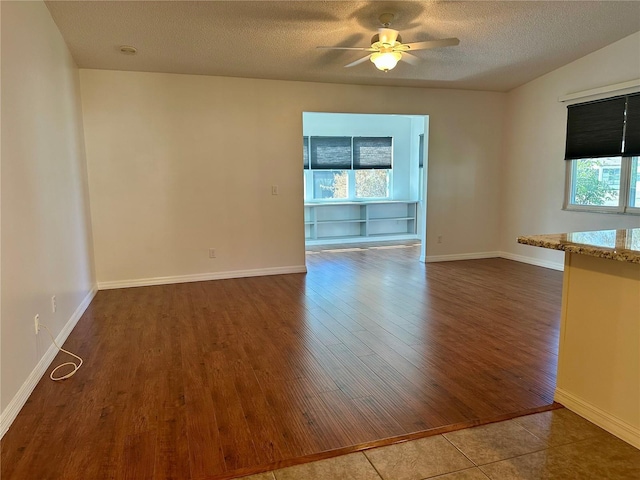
(599, 352)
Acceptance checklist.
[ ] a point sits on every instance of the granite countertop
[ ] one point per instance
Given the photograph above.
(622, 245)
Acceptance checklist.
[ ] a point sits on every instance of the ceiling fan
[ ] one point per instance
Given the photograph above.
(387, 47)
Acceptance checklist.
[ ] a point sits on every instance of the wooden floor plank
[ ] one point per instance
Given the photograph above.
(172, 445)
(201, 380)
(138, 459)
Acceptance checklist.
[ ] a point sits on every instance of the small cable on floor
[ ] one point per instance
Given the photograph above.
(76, 366)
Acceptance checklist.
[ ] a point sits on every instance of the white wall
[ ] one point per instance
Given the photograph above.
(417, 129)
(46, 241)
(534, 132)
(181, 163)
(405, 141)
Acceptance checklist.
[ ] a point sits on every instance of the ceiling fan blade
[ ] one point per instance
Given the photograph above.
(445, 42)
(360, 49)
(412, 59)
(358, 62)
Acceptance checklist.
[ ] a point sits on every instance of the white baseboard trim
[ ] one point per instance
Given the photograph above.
(533, 261)
(506, 255)
(10, 413)
(459, 256)
(201, 277)
(610, 423)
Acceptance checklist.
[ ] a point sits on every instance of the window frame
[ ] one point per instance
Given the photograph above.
(605, 127)
(309, 183)
(309, 176)
(623, 207)
(372, 199)
(309, 189)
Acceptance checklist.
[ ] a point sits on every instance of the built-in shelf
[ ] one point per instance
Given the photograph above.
(341, 221)
(387, 219)
(360, 221)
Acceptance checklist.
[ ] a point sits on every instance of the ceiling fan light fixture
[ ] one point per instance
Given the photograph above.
(385, 61)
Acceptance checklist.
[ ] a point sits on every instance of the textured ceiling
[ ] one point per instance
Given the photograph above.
(502, 44)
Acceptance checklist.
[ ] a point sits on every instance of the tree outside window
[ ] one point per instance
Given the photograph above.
(372, 183)
(594, 181)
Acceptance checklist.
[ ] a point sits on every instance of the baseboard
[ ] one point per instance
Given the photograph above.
(10, 413)
(506, 255)
(610, 423)
(201, 277)
(459, 256)
(532, 261)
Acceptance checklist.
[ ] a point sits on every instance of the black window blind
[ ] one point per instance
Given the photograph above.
(331, 153)
(372, 152)
(305, 152)
(632, 130)
(345, 153)
(597, 129)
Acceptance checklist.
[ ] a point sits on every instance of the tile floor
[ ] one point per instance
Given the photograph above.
(552, 445)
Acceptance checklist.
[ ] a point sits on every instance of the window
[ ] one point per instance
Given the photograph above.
(330, 184)
(347, 168)
(634, 190)
(596, 181)
(372, 183)
(602, 150)
(372, 158)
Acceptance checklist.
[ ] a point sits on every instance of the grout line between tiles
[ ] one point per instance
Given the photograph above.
(425, 478)
(518, 456)
(371, 463)
(464, 454)
(484, 473)
(515, 420)
(595, 435)
(452, 471)
(461, 470)
(546, 447)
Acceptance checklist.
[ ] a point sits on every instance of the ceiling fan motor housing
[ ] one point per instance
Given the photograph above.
(376, 39)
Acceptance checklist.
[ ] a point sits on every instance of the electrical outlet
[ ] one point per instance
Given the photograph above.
(54, 304)
(36, 321)
(439, 238)
(212, 253)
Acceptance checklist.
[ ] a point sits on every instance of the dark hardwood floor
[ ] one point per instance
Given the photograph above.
(212, 379)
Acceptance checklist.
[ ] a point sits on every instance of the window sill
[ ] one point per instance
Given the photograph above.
(586, 209)
(314, 203)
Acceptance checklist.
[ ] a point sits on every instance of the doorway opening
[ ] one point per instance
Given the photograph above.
(364, 178)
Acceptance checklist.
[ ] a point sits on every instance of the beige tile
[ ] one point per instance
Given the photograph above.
(604, 457)
(543, 465)
(260, 476)
(469, 474)
(417, 459)
(347, 467)
(558, 427)
(494, 442)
